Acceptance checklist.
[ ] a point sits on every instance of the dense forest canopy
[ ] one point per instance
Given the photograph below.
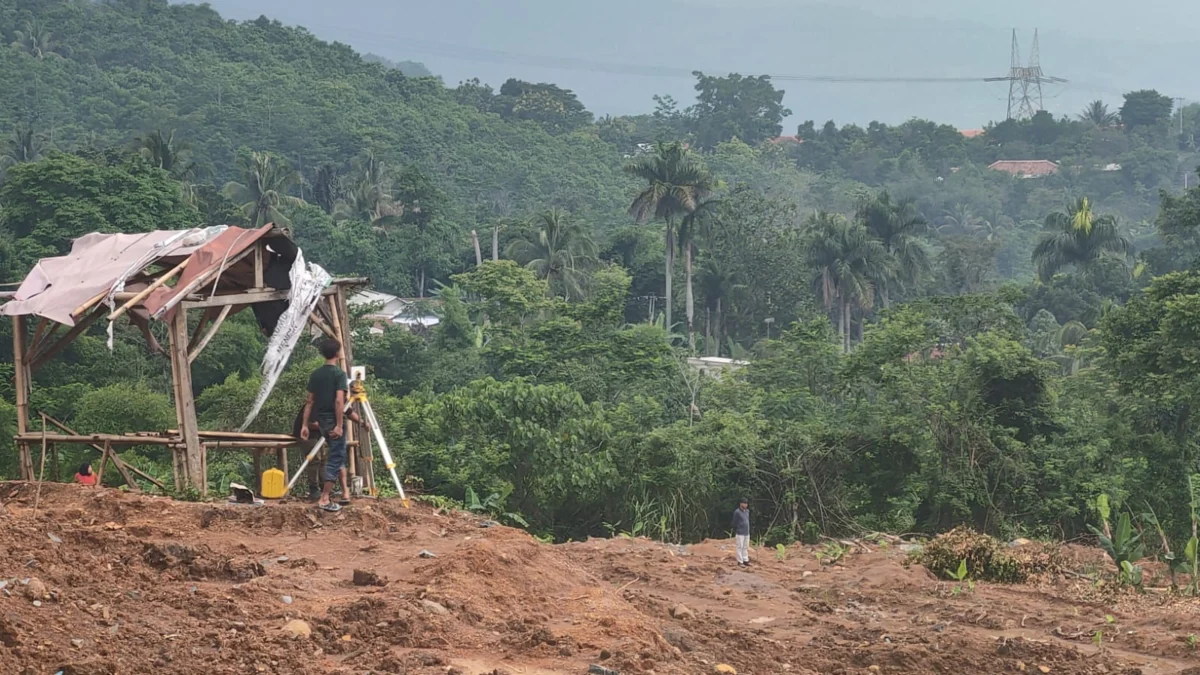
(929, 339)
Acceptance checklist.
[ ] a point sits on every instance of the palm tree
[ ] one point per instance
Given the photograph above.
(168, 154)
(22, 146)
(35, 40)
(848, 262)
(326, 187)
(1097, 113)
(700, 222)
(369, 196)
(896, 226)
(1077, 237)
(717, 284)
(267, 181)
(676, 184)
(560, 251)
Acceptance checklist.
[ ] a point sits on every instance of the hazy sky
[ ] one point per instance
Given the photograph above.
(1175, 20)
(1105, 47)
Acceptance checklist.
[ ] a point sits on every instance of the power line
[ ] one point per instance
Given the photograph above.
(480, 54)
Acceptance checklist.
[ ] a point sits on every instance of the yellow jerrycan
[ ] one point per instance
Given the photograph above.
(274, 484)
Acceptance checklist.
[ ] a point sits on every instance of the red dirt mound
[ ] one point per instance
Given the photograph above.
(99, 582)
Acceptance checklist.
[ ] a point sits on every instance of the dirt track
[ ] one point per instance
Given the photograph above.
(138, 584)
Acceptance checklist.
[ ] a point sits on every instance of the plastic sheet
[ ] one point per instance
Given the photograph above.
(308, 282)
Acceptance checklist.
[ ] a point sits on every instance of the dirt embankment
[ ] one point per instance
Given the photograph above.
(100, 582)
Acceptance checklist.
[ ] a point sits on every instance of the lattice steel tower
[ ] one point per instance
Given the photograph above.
(1025, 81)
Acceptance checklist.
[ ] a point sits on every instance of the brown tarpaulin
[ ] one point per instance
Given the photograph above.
(219, 251)
(55, 287)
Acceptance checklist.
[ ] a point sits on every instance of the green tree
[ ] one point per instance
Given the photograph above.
(49, 202)
(1077, 237)
(896, 225)
(848, 261)
(23, 145)
(168, 153)
(36, 40)
(560, 251)
(368, 196)
(747, 108)
(266, 181)
(1146, 108)
(677, 183)
(1097, 113)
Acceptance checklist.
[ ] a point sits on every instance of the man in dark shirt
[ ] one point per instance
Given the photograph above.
(326, 404)
(741, 532)
(306, 446)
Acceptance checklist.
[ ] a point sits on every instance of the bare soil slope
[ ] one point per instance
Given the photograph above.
(100, 582)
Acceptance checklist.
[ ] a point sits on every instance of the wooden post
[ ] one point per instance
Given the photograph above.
(41, 476)
(256, 453)
(281, 460)
(175, 466)
(185, 404)
(103, 461)
(258, 264)
(21, 369)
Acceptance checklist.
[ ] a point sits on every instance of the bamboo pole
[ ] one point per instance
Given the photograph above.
(209, 335)
(103, 460)
(37, 497)
(145, 292)
(37, 336)
(21, 381)
(116, 459)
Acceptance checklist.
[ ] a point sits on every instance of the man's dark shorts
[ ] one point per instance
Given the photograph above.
(335, 456)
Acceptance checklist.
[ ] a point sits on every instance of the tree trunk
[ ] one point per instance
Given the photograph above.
(718, 332)
(495, 243)
(691, 302)
(842, 322)
(670, 264)
(708, 334)
(849, 327)
(478, 253)
(883, 293)
(421, 283)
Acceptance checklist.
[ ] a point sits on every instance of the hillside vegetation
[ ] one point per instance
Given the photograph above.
(931, 342)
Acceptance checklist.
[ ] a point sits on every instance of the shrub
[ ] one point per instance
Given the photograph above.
(987, 558)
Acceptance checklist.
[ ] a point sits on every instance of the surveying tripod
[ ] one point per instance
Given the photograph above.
(358, 394)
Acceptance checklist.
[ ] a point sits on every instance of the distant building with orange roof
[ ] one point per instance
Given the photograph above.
(970, 133)
(1026, 168)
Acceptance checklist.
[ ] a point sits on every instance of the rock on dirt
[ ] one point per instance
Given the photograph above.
(297, 629)
(426, 554)
(433, 607)
(682, 612)
(36, 590)
(368, 578)
(725, 668)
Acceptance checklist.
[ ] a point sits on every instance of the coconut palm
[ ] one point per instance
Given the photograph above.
(718, 283)
(677, 182)
(326, 187)
(848, 262)
(1097, 113)
(1077, 237)
(22, 146)
(896, 225)
(368, 196)
(699, 223)
(559, 251)
(267, 181)
(35, 39)
(168, 154)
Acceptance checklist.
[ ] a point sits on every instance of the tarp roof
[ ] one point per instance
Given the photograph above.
(56, 287)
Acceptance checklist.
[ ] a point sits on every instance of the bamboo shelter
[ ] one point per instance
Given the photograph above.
(192, 281)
